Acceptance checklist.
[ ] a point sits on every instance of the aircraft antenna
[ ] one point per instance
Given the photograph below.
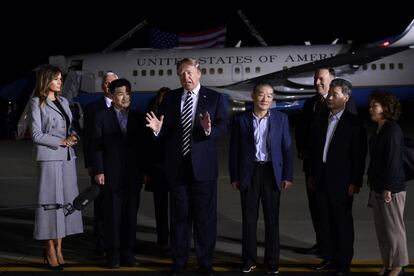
(252, 29)
(120, 40)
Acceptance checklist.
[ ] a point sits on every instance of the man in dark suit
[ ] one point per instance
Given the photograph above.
(118, 166)
(192, 119)
(261, 165)
(337, 165)
(313, 108)
(89, 123)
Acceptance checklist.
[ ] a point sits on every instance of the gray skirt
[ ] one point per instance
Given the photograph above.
(57, 184)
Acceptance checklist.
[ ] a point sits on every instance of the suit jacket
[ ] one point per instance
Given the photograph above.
(89, 121)
(242, 148)
(119, 157)
(345, 160)
(307, 117)
(203, 148)
(48, 129)
(385, 171)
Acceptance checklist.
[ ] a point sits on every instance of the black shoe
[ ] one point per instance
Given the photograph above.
(248, 268)
(206, 270)
(132, 262)
(272, 269)
(46, 261)
(325, 264)
(342, 271)
(113, 264)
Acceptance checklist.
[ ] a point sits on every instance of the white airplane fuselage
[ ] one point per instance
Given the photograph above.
(150, 69)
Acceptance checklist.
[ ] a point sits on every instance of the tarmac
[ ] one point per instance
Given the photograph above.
(21, 254)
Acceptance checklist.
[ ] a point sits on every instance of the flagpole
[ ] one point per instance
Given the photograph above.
(120, 40)
(252, 29)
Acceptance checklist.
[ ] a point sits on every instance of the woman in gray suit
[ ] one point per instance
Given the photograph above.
(53, 139)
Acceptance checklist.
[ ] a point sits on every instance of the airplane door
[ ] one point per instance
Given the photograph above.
(88, 82)
(237, 72)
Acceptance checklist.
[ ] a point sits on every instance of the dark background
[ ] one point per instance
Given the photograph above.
(32, 31)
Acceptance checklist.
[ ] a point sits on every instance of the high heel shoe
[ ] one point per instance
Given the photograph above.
(46, 262)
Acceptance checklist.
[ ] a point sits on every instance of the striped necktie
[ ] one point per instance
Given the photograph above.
(186, 120)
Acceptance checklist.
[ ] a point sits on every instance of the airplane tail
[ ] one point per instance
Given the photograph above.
(405, 39)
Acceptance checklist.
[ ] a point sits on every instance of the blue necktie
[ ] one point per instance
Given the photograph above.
(186, 121)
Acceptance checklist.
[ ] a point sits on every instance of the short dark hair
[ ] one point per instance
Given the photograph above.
(119, 83)
(259, 85)
(390, 104)
(345, 85)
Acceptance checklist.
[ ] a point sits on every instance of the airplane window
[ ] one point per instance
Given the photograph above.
(169, 72)
(382, 65)
(237, 70)
(135, 73)
(100, 74)
(203, 71)
(400, 66)
(364, 67)
(161, 72)
(152, 72)
(374, 66)
(392, 66)
(212, 71)
(143, 73)
(220, 71)
(247, 69)
(257, 69)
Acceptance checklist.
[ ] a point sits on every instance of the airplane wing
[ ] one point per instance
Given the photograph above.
(345, 62)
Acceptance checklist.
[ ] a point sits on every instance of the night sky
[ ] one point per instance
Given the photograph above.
(67, 27)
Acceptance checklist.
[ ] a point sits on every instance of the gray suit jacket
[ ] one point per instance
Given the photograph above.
(48, 128)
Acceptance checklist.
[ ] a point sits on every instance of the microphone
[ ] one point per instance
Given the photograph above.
(86, 197)
(79, 203)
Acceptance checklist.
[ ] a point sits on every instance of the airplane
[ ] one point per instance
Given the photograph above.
(387, 64)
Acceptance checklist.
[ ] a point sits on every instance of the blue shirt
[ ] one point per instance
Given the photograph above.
(261, 134)
(122, 119)
(332, 123)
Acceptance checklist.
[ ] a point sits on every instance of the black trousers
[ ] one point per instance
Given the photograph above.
(314, 210)
(193, 210)
(98, 218)
(120, 219)
(263, 187)
(336, 224)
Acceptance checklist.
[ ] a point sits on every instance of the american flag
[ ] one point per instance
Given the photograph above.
(213, 38)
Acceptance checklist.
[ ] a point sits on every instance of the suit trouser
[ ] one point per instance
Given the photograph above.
(98, 217)
(390, 228)
(161, 215)
(193, 205)
(263, 187)
(313, 209)
(336, 225)
(120, 219)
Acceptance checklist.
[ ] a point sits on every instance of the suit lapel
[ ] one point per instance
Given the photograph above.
(66, 109)
(177, 105)
(53, 106)
(114, 119)
(202, 104)
(248, 124)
